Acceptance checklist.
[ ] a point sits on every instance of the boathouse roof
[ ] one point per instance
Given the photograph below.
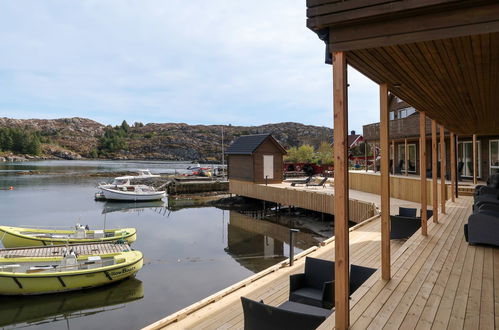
(247, 144)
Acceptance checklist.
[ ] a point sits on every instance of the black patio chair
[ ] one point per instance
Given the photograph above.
(317, 184)
(315, 286)
(289, 315)
(358, 275)
(407, 212)
(403, 227)
(483, 226)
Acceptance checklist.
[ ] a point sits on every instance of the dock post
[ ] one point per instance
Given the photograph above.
(292, 233)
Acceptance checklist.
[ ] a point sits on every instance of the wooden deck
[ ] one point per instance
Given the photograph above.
(225, 311)
(438, 282)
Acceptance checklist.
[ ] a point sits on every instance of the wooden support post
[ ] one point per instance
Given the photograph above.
(392, 151)
(457, 166)
(475, 160)
(422, 169)
(442, 168)
(366, 148)
(385, 183)
(453, 166)
(434, 170)
(341, 247)
(406, 158)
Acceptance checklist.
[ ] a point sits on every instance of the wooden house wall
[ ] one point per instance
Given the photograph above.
(267, 148)
(240, 167)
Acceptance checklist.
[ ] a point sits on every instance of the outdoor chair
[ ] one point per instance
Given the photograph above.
(403, 227)
(358, 275)
(483, 226)
(316, 286)
(317, 184)
(429, 214)
(304, 181)
(407, 212)
(289, 315)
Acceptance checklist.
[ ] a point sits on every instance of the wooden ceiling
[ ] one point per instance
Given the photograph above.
(454, 81)
(440, 56)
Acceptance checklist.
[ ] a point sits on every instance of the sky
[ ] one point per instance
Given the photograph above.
(192, 61)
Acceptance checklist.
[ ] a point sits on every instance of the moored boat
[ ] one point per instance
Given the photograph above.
(12, 237)
(134, 193)
(40, 270)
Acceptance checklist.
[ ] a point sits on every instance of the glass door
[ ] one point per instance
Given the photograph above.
(494, 156)
(465, 158)
(411, 148)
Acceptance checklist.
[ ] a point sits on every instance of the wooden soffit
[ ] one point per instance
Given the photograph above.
(440, 56)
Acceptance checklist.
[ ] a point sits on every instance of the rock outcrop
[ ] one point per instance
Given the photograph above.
(74, 138)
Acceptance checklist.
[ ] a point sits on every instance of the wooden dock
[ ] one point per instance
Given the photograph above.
(438, 281)
(362, 204)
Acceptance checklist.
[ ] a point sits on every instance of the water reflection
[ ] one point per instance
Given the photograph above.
(258, 244)
(125, 207)
(185, 246)
(70, 305)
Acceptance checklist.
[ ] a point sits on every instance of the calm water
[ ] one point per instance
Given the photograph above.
(189, 254)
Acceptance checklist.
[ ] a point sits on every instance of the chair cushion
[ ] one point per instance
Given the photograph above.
(305, 309)
(308, 295)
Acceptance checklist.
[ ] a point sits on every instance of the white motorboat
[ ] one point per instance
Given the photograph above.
(124, 181)
(132, 193)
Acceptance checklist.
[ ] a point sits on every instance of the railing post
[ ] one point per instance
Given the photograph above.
(292, 233)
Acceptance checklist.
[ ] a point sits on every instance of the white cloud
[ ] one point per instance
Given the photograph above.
(217, 61)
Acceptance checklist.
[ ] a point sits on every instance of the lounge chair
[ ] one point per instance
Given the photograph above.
(403, 227)
(304, 181)
(407, 212)
(288, 316)
(317, 184)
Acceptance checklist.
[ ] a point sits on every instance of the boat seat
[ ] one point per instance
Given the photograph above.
(94, 262)
(69, 263)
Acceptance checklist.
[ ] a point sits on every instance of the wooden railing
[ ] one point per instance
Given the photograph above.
(402, 187)
(314, 200)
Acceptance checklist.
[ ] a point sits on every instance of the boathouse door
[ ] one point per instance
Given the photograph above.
(268, 166)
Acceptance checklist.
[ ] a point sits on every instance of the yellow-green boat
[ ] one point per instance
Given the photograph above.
(57, 269)
(13, 237)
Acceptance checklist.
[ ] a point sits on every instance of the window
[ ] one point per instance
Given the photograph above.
(494, 156)
(465, 158)
(412, 159)
(406, 112)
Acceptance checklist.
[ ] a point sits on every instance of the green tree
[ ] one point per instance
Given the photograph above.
(125, 126)
(325, 154)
